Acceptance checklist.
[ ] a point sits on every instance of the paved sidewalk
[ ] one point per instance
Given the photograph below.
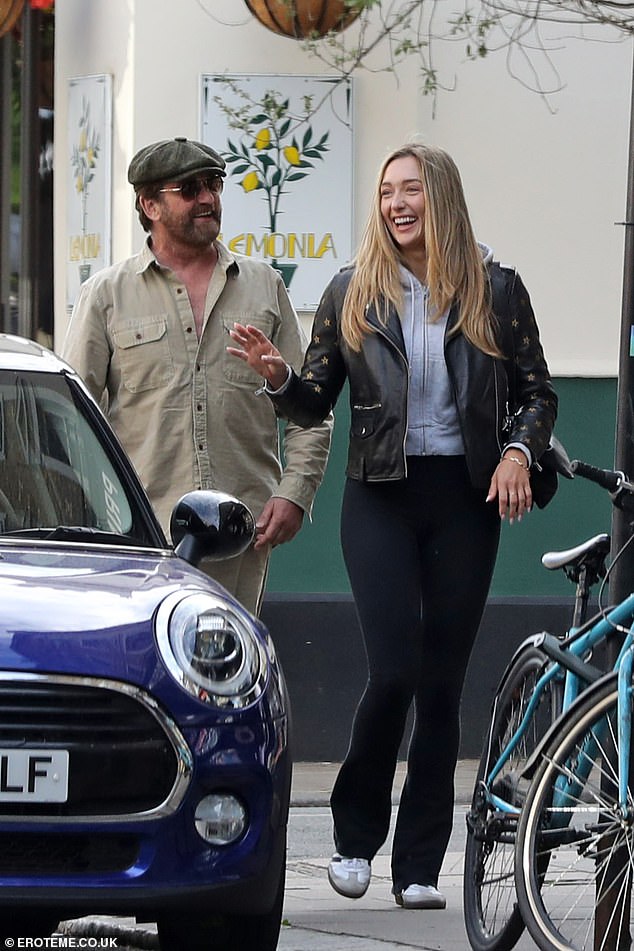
(317, 919)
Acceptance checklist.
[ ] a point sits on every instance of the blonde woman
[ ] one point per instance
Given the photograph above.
(436, 339)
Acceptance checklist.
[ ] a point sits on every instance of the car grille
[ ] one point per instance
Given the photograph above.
(122, 758)
(65, 854)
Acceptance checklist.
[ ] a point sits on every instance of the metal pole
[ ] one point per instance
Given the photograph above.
(622, 577)
(610, 906)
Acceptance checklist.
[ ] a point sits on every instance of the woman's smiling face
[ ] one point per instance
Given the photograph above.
(403, 204)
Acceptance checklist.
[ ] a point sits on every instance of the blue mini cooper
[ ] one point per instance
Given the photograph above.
(144, 760)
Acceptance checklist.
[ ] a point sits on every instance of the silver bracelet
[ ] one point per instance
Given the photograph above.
(518, 461)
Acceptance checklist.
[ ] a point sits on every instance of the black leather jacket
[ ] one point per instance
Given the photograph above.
(378, 378)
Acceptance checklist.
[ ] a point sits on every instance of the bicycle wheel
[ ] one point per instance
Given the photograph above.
(492, 919)
(575, 848)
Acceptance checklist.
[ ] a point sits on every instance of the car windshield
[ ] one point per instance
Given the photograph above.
(56, 477)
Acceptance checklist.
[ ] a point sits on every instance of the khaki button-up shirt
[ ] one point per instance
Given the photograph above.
(188, 414)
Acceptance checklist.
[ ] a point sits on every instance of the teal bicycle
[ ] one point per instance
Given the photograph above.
(550, 832)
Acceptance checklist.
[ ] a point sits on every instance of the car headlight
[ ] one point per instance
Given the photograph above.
(210, 649)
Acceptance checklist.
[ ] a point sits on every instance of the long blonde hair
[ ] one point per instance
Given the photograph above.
(455, 269)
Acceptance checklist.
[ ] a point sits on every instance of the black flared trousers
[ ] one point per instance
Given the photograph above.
(420, 555)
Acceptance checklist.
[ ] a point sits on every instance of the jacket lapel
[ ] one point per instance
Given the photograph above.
(392, 329)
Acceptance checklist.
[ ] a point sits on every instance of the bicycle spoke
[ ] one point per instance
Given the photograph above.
(492, 919)
(575, 851)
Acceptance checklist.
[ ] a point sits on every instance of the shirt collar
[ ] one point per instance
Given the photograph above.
(147, 258)
(226, 259)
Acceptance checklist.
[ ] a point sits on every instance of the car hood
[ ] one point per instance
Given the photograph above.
(66, 610)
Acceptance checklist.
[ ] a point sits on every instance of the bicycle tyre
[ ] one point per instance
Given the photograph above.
(492, 918)
(571, 839)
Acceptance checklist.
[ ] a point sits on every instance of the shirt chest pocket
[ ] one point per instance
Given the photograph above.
(143, 354)
(235, 371)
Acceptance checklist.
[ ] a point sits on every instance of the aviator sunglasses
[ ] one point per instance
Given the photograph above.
(192, 188)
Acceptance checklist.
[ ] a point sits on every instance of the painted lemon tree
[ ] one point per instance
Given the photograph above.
(271, 155)
(83, 160)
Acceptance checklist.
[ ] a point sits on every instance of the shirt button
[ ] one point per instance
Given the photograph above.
(189, 330)
(199, 407)
(200, 446)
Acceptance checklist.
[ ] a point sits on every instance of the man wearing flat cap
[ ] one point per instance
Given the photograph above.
(149, 338)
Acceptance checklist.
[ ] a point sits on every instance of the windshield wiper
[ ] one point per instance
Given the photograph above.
(71, 533)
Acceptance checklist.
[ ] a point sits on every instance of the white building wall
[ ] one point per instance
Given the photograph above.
(544, 187)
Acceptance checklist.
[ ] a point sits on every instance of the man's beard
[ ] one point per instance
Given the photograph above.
(195, 232)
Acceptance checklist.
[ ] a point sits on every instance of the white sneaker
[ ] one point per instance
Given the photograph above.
(349, 877)
(420, 896)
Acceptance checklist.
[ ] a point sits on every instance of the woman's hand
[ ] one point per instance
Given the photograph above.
(511, 485)
(257, 350)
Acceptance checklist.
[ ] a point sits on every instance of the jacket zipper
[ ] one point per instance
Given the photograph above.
(498, 427)
(406, 414)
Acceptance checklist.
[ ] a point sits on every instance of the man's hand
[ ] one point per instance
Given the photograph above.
(279, 522)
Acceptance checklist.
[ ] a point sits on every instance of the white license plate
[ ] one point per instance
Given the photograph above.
(33, 775)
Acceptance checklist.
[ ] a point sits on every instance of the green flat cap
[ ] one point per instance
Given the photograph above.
(173, 160)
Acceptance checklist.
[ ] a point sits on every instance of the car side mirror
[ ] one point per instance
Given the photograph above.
(210, 524)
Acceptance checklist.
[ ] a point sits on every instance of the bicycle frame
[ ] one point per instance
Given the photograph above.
(578, 644)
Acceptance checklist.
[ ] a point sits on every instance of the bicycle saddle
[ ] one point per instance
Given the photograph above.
(598, 546)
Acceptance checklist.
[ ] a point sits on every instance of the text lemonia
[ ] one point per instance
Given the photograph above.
(278, 245)
(84, 247)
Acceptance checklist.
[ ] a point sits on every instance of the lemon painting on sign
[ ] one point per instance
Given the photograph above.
(271, 154)
(84, 159)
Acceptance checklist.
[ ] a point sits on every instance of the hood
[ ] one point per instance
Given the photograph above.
(91, 613)
(406, 274)
(487, 253)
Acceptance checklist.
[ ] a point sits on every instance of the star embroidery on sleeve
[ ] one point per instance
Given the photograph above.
(327, 322)
(526, 341)
(316, 338)
(310, 375)
(325, 360)
(515, 323)
(531, 377)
